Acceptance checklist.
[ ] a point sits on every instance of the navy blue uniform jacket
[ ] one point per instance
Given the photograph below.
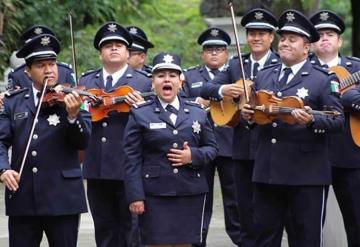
(51, 182)
(343, 151)
(18, 78)
(298, 154)
(104, 157)
(149, 136)
(244, 139)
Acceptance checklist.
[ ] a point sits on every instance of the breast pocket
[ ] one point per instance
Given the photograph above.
(151, 172)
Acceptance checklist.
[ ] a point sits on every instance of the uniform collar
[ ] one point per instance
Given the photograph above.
(295, 68)
(211, 74)
(262, 61)
(334, 62)
(116, 76)
(175, 103)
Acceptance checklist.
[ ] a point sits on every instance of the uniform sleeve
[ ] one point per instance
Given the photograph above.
(5, 137)
(330, 99)
(185, 92)
(133, 160)
(207, 150)
(79, 132)
(351, 99)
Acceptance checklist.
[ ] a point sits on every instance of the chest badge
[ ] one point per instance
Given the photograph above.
(196, 127)
(302, 92)
(53, 119)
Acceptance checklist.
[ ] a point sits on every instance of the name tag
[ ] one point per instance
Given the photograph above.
(21, 115)
(197, 84)
(157, 126)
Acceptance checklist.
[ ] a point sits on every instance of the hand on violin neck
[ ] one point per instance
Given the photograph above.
(73, 102)
(247, 112)
(302, 116)
(232, 90)
(133, 97)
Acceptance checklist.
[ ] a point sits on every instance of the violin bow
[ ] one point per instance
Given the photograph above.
(73, 51)
(238, 49)
(33, 126)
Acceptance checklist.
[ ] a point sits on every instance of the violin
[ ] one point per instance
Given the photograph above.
(55, 95)
(112, 101)
(268, 107)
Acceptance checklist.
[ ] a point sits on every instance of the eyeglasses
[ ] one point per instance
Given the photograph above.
(211, 50)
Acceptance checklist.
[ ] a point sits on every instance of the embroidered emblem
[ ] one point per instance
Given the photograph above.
(302, 92)
(259, 15)
(45, 41)
(168, 58)
(334, 86)
(112, 27)
(38, 30)
(214, 32)
(290, 17)
(53, 119)
(133, 30)
(196, 127)
(324, 16)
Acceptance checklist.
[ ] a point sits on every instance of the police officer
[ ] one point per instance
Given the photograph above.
(168, 143)
(214, 42)
(260, 25)
(49, 195)
(20, 78)
(344, 153)
(104, 158)
(138, 49)
(292, 170)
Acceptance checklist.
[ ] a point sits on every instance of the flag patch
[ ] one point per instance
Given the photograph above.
(334, 86)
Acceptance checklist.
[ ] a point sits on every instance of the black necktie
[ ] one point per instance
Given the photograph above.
(108, 84)
(255, 69)
(171, 109)
(284, 79)
(214, 71)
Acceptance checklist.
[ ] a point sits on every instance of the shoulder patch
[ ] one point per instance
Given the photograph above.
(14, 91)
(142, 103)
(193, 103)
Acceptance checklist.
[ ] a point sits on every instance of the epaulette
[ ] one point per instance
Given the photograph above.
(193, 103)
(142, 103)
(192, 68)
(14, 91)
(20, 67)
(65, 65)
(89, 72)
(269, 66)
(144, 73)
(354, 59)
(324, 70)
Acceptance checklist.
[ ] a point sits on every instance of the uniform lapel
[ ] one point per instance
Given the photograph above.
(204, 73)
(163, 115)
(182, 115)
(99, 81)
(305, 70)
(125, 78)
(30, 103)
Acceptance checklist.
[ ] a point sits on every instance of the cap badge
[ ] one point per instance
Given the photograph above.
(290, 17)
(324, 16)
(45, 41)
(168, 58)
(259, 15)
(214, 32)
(133, 30)
(38, 30)
(112, 27)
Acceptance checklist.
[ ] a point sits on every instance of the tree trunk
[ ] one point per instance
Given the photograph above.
(355, 6)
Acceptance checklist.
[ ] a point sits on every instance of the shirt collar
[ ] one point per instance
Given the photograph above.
(116, 76)
(175, 103)
(262, 61)
(334, 62)
(35, 94)
(295, 68)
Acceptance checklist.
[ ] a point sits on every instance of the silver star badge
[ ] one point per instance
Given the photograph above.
(112, 27)
(38, 30)
(45, 41)
(290, 17)
(168, 58)
(302, 92)
(214, 32)
(133, 30)
(259, 15)
(196, 127)
(53, 119)
(324, 16)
